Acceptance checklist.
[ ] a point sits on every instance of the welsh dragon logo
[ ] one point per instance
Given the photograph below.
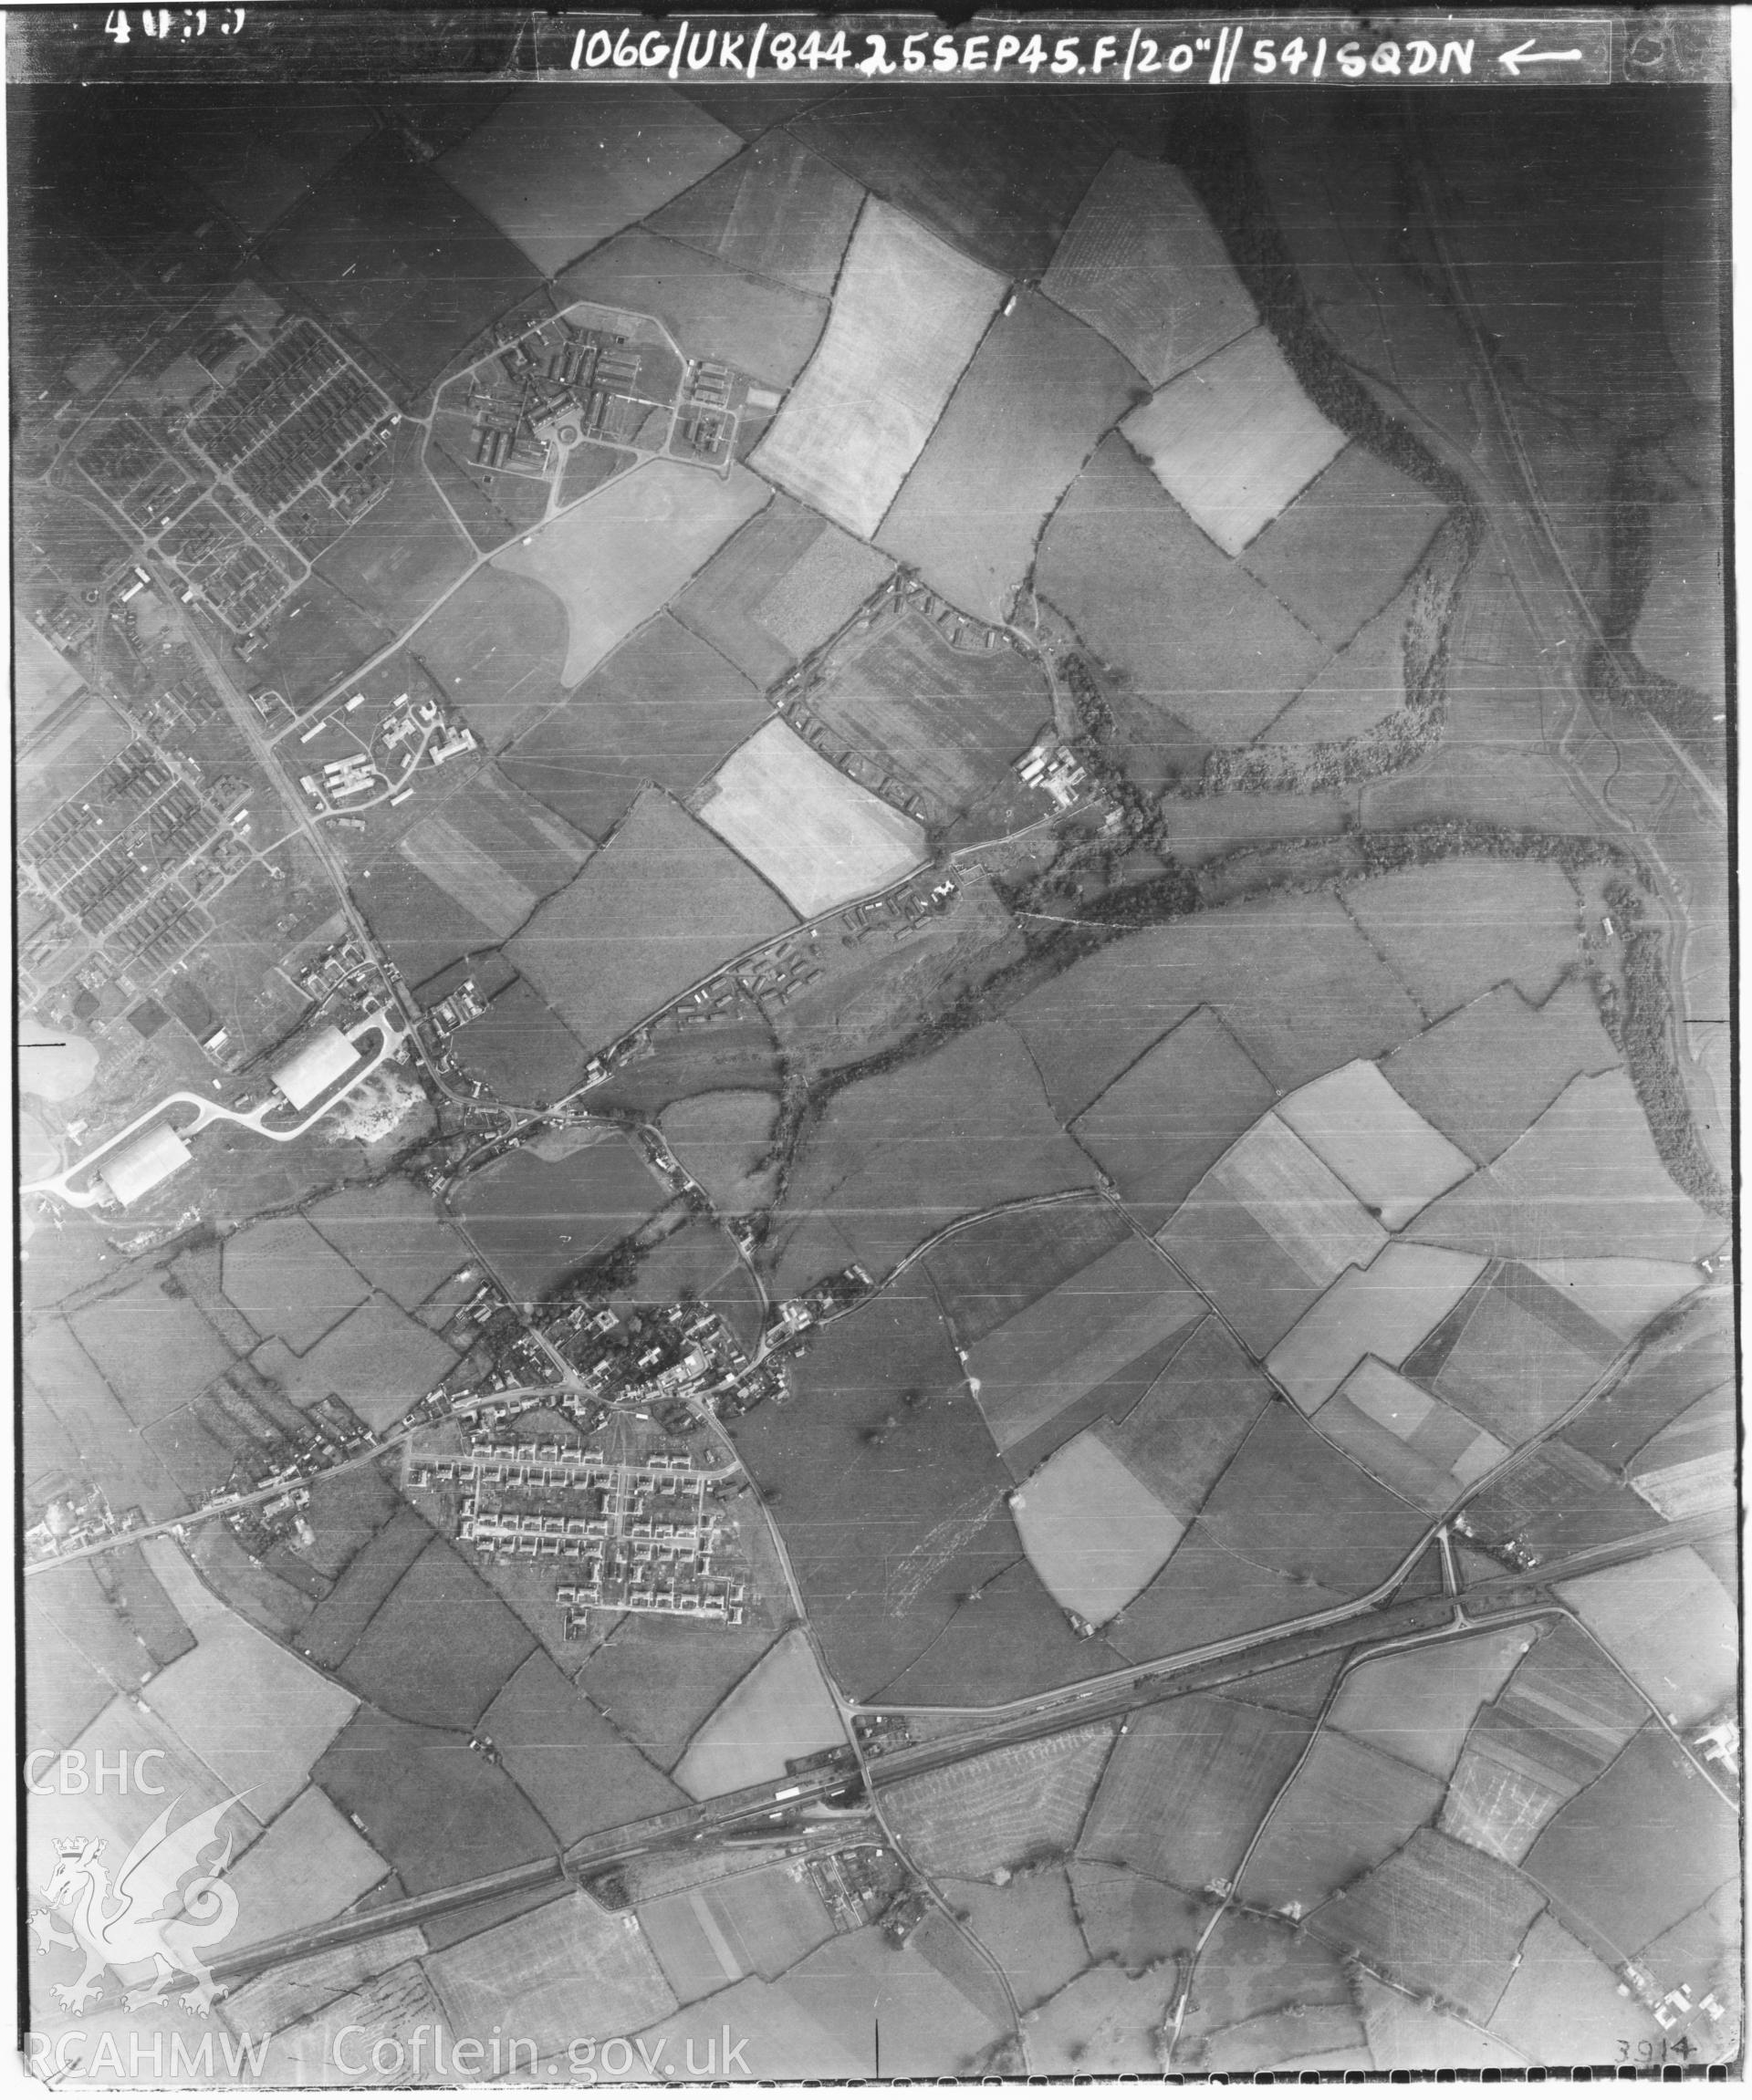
(165, 1906)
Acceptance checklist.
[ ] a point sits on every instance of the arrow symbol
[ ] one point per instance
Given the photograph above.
(1525, 55)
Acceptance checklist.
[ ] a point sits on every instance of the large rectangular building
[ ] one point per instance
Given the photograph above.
(137, 1168)
(311, 1071)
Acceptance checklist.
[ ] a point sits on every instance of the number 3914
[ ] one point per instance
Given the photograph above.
(174, 24)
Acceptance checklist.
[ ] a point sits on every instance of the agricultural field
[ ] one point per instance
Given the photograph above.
(1424, 1451)
(1267, 1230)
(935, 2005)
(1000, 179)
(536, 1219)
(495, 851)
(1348, 1807)
(1197, 643)
(1007, 1640)
(1455, 929)
(547, 1964)
(1419, 1705)
(415, 299)
(1041, 392)
(776, 211)
(1667, 1378)
(787, 582)
(371, 1572)
(424, 929)
(817, 837)
(989, 1271)
(520, 1049)
(1690, 1466)
(1524, 1356)
(393, 2006)
(1133, 1919)
(948, 722)
(1173, 1115)
(657, 1678)
(308, 1863)
(748, 1923)
(1345, 546)
(287, 1280)
(711, 311)
(1234, 440)
(152, 1349)
(495, 647)
(1192, 1422)
(1623, 1293)
(664, 707)
(1043, 1359)
(1380, 1147)
(623, 554)
(1104, 2017)
(908, 313)
(1384, 1311)
(1670, 1625)
(378, 1360)
(561, 174)
(723, 1141)
(1220, 1761)
(780, 1711)
(1029, 1927)
(1142, 263)
(659, 906)
(1359, 687)
(896, 1157)
(1408, 2033)
(437, 1811)
(439, 1647)
(65, 1686)
(1564, 2005)
(1439, 1918)
(1637, 1851)
(1585, 1180)
(1002, 1810)
(1094, 1533)
(90, 1418)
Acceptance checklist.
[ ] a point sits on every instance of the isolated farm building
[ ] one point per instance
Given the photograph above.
(313, 1069)
(138, 1167)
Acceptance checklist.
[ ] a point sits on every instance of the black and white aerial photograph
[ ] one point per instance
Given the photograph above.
(874, 1047)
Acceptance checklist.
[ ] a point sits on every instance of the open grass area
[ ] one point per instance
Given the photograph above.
(1638, 1850)
(657, 1678)
(1008, 1638)
(722, 1141)
(1196, 640)
(1669, 1624)
(1491, 1068)
(152, 1349)
(785, 584)
(1564, 2005)
(520, 1049)
(1348, 1807)
(545, 1965)
(947, 721)
(907, 314)
(416, 297)
(664, 707)
(1142, 263)
(579, 1770)
(817, 837)
(1383, 1311)
(536, 1218)
(72, 1396)
(1438, 1916)
(936, 2004)
(1455, 929)
(437, 1811)
(1174, 1114)
(1103, 2022)
(1040, 394)
(990, 1272)
(777, 210)
(378, 1360)
(1191, 1422)
(495, 647)
(255, 155)
(65, 1689)
(1234, 439)
(1585, 1180)
(781, 1709)
(1219, 1761)
(620, 557)
(1407, 2034)
(1377, 1145)
(1133, 1919)
(711, 309)
(1342, 549)
(407, 549)
(659, 906)
(898, 1156)
(1359, 687)
(1094, 1533)
(287, 1280)
(562, 174)
(1005, 1809)
(737, 1052)
(310, 1864)
(441, 1646)
(1028, 1926)
(1047, 1356)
